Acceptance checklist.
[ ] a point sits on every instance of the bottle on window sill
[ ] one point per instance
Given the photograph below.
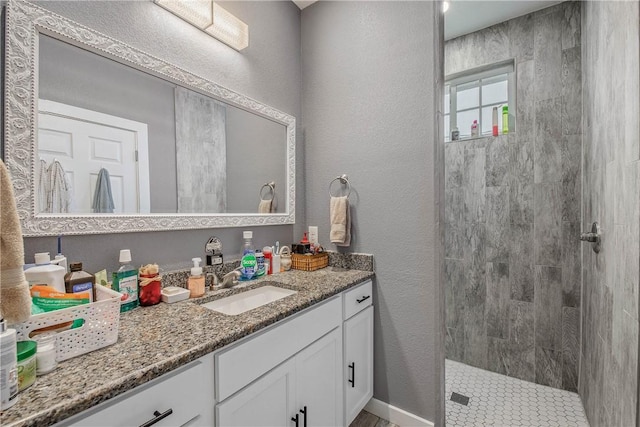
(474, 129)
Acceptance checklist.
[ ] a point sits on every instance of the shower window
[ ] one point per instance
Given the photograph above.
(472, 95)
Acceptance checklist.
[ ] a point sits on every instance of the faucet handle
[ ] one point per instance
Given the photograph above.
(231, 278)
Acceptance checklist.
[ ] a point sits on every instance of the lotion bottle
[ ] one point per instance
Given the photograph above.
(9, 366)
(195, 283)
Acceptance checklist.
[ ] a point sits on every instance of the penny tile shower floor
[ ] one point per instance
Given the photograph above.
(501, 401)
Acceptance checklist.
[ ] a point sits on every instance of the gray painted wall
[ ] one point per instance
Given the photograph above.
(609, 353)
(268, 70)
(370, 107)
(512, 208)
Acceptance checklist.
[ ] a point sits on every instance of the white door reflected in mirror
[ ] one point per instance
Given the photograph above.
(86, 142)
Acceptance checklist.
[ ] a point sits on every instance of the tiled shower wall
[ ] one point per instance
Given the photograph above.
(609, 351)
(512, 208)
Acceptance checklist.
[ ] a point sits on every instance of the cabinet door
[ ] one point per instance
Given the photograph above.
(319, 382)
(269, 401)
(358, 342)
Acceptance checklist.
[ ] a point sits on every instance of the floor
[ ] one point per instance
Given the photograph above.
(498, 400)
(366, 419)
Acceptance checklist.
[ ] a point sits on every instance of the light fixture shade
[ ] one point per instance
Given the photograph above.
(196, 12)
(228, 29)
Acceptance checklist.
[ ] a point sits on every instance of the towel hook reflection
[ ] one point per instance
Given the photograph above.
(344, 180)
(271, 186)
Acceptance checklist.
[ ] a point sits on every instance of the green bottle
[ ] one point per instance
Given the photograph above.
(125, 281)
(505, 119)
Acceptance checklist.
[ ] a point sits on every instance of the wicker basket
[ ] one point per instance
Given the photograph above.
(100, 328)
(309, 262)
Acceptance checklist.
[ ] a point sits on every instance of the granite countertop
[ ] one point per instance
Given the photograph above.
(155, 340)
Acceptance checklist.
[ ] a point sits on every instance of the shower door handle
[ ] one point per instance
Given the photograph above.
(593, 237)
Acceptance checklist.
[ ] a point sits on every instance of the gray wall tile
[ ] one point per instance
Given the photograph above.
(548, 307)
(497, 231)
(548, 367)
(547, 150)
(571, 153)
(547, 54)
(498, 296)
(570, 262)
(571, 92)
(521, 262)
(498, 158)
(547, 223)
(570, 347)
(521, 38)
(454, 292)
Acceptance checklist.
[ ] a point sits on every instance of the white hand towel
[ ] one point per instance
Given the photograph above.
(15, 300)
(340, 218)
(264, 207)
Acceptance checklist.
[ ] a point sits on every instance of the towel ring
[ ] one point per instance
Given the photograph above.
(344, 179)
(272, 186)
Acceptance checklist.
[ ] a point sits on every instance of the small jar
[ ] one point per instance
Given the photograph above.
(26, 364)
(150, 289)
(46, 355)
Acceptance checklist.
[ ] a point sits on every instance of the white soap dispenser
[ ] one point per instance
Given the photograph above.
(196, 280)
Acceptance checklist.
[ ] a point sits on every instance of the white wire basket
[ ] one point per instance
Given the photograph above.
(100, 328)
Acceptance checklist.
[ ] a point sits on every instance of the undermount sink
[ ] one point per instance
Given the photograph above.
(245, 301)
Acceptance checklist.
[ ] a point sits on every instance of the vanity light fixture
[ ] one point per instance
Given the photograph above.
(211, 18)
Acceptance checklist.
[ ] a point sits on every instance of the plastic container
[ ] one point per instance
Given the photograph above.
(505, 119)
(260, 265)
(494, 121)
(125, 281)
(267, 258)
(8, 367)
(276, 264)
(45, 273)
(100, 329)
(455, 134)
(26, 364)
(79, 281)
(46, 355)
(248, 263)
(195, 283)
(150, 284)
(474, 129)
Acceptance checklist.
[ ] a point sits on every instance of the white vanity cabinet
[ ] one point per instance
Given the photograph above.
(183, 397)
(314, 368)
(290, 374)
(358, 350)
(306, 390)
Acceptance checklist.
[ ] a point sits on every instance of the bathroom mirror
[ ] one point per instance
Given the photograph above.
(102, 137)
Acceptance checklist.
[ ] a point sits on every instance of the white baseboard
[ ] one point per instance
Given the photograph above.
(395, 415)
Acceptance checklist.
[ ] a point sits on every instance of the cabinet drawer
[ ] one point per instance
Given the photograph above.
(244, 362)
(357, 299)
(187, 392)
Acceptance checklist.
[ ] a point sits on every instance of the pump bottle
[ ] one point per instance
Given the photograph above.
(195, 283)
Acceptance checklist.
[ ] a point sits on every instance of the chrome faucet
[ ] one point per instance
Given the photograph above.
(231, 278)
(215, 280)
